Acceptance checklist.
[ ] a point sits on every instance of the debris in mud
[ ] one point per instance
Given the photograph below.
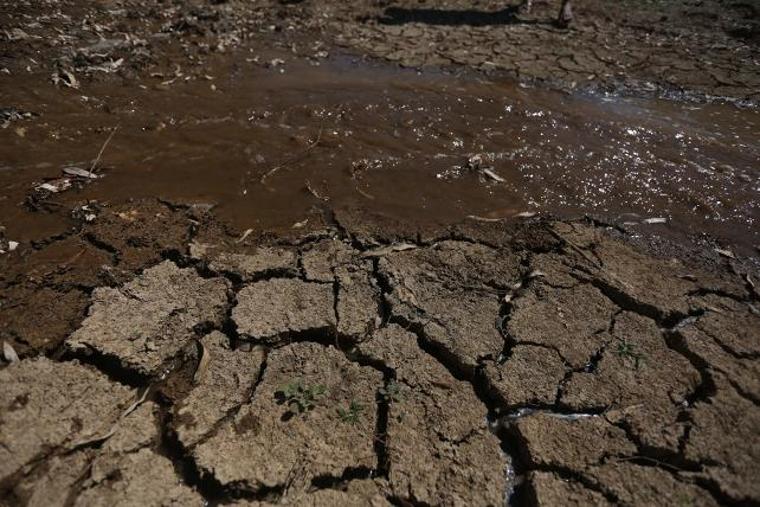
(11, 114)
(6, 245)
(81, 173)
(66, 78)
(53, 186)
(475, 164)
(87, 212)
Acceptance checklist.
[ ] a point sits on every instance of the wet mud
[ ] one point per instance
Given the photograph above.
(245, 260)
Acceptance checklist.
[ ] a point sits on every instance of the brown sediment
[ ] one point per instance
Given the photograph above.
(380, 322)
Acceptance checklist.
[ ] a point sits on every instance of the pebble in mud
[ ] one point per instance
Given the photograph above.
(440, 449)
(271, 443)
(269, 310)
(60, 399)
(150, 319)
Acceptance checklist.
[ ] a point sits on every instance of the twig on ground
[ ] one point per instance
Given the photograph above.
(292, 159)
(102, 149)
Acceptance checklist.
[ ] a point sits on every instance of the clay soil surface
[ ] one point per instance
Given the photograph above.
(231, 298)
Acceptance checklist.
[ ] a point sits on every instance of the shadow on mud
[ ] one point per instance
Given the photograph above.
(400, 16)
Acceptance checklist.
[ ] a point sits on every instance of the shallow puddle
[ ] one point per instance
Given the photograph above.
(267, 144)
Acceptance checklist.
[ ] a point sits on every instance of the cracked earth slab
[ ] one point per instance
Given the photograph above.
(271, 444)
(640, 380)
(451, 291)
(439, 446)
(58, 399)
(249, 265)
(225, 383)
(269, 310)
(610, 377)
(358, 492)
(156, 315)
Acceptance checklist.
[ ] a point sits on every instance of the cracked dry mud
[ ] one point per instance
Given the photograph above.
(541, 363)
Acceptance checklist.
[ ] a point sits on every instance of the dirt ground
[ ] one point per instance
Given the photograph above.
(154, 353)
(541, 363)
(687, 48)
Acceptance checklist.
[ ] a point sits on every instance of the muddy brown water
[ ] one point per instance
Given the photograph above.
(391, 141)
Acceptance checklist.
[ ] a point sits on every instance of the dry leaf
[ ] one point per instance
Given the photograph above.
(385, 250)
(55, 186)
(203, 363)
(82, 173)
(484, 219)
(726, 253)
(493, 175)
(244, 236)
(9, 353)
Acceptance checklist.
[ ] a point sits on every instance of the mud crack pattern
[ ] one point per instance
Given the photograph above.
(539, 363)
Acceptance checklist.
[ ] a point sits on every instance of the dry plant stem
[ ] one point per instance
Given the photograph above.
(103, 149)
(292, 159)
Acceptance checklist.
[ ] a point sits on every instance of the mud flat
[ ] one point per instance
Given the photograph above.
(244, 260)
(533, 363)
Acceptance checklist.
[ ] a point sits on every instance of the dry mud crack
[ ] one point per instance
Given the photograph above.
(536, 364)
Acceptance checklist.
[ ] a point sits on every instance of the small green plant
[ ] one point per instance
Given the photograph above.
(627, 350)
(351, 416)
(300, 398)
(685, 501)
(391, 392)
